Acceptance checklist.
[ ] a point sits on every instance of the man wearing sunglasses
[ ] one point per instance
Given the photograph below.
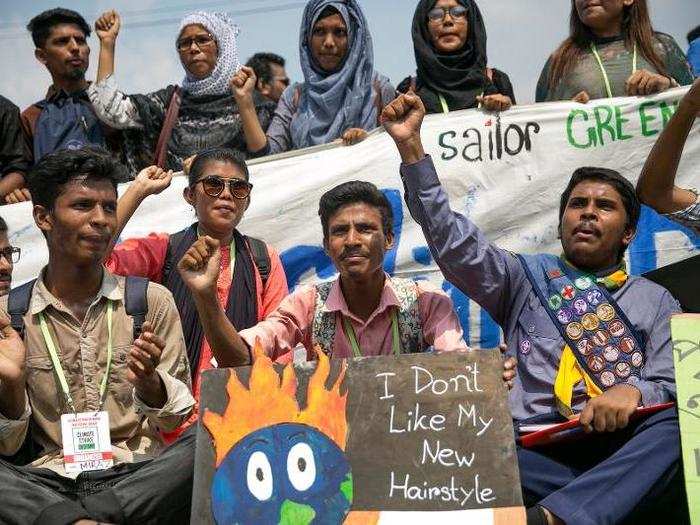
(251, 280)
(9, 255)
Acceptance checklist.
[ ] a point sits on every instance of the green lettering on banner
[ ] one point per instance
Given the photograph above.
(604, 124)
(619, 121)
(570, 131)
(685, 333)
(667, 111)
(645, 119)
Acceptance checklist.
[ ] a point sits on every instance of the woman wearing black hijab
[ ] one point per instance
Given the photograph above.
(449, 40)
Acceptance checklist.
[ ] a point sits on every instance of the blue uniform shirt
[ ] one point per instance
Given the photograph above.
(495, 279)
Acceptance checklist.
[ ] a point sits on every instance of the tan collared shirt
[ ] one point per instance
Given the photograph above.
(82, 349)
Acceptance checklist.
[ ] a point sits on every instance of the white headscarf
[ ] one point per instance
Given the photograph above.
(224, 32)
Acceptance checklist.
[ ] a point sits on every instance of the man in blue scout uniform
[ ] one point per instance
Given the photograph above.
(589, 338)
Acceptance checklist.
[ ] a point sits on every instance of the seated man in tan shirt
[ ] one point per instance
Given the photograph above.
(91, 394)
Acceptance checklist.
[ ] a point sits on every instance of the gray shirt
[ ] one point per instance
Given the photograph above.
(279, 136)
(495, 279)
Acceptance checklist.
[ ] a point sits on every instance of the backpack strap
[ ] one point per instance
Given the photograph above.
(410, 322)
(261, 257)
(173, 244)
(323, 326)
(161, 153)
(136, 301)
(18, 305)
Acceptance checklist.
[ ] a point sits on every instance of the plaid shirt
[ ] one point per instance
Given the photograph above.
(690, 216)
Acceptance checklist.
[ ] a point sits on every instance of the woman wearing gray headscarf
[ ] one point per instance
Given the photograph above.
(170, 125)
(342, 95)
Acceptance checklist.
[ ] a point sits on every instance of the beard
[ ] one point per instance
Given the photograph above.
(76, 74)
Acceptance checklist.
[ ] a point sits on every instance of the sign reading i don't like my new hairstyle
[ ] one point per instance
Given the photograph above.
(371, 440)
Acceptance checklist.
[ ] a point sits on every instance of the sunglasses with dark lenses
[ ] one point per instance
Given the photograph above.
(214, 186)
(11, 253)
(201, 41)
(439, 13)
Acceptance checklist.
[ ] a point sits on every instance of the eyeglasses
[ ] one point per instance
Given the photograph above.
(283, 80)
(201, 41)
(437, 14)
(11, 253)
(214, 186)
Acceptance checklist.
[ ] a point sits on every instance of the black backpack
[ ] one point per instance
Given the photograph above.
(135, 303)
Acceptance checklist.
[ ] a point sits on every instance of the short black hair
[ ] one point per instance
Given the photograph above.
(48, 177)
(608, 176)
(694, 34)
(40, 26)
(3, 225)
(350, 193)
(260, 62)
(216, 154)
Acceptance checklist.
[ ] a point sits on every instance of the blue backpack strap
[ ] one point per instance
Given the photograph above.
(18, 305)
(136, 301)
(600, 343)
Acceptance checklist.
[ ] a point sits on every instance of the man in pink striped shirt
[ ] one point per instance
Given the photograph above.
(364, 312)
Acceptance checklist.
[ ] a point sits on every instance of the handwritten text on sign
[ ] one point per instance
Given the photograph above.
(431, 432)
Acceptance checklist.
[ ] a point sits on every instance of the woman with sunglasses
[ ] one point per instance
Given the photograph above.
(251, 282)
(342, 95)
(449, 42)
(169, 125)
(612, 51)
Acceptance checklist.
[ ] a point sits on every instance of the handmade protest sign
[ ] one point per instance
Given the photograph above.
(685, 333)
(369, 440)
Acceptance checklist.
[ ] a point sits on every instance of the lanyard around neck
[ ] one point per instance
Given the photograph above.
(608, 90)
(395, 338)
(51, 347)
(446, 108)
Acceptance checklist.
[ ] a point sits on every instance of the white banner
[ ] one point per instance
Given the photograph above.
(506, 172)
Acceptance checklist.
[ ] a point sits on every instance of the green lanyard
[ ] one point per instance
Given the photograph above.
(443, 103)
(446, 108)
(605, 73)
(395, 338)
(232, 256)
(51, 347)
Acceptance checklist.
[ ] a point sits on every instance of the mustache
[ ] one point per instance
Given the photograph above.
(351, 253)
(587, 226)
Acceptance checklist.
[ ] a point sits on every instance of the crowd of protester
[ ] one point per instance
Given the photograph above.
(71, 341)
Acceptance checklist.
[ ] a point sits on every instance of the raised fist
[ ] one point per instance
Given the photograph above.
(107, 26)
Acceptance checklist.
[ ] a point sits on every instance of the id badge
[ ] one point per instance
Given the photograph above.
(86, 441)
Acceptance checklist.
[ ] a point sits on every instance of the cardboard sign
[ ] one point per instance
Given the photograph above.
(370, 440)
(685, 333)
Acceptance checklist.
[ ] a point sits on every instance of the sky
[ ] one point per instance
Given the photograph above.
(521, 35)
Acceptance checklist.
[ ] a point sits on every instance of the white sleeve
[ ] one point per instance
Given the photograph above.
(112, 106)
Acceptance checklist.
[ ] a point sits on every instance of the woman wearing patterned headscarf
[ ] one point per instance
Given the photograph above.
(449, 41)
(174, 123)
(341, 96)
